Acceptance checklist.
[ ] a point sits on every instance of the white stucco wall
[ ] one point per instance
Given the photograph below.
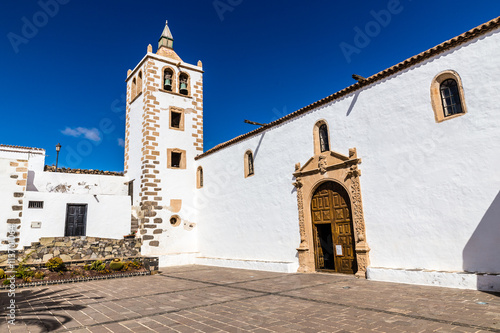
(133, 170)
(72, 183)
(430, 190)
(35, 157)
(7, 189)
(108, 216)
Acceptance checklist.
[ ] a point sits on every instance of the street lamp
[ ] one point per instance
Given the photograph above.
(58, 149)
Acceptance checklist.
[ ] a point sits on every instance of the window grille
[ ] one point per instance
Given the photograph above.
(450, 97)
(323, 138)
(35, 204)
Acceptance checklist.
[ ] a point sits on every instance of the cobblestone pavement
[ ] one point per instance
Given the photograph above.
(214, 299)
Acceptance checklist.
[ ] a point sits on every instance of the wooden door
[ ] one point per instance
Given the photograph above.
(76, 220)
(333, 230)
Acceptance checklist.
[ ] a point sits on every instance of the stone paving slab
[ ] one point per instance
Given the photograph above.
(214, 299)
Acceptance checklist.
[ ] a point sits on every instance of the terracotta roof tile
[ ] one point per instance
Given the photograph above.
(458, 40)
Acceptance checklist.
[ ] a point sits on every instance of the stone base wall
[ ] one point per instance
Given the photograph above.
(76, 248)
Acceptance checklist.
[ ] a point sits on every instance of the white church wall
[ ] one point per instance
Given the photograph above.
(251, 222)
(108, 216)
(427, 187)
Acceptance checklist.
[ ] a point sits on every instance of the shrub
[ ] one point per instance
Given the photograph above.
(136, 264)
(116, 265)
(6, 282)
(55, 264)
(23, 272)
(27, 279)
(97, 266)
(2, 273)
(39, 275)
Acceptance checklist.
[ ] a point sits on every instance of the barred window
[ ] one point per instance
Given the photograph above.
(450, 97)
(323, 138)
(35, 204)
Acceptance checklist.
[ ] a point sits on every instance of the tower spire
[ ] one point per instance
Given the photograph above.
(166, 44)
(166, 39)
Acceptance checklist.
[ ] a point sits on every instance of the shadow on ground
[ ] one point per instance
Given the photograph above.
(42, 308)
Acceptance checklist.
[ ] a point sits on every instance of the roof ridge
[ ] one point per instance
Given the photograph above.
(20, 147)
(444, 46)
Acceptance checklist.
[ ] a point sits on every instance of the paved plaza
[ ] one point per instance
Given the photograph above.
(214, 299)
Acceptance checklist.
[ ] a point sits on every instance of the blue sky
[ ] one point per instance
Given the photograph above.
(65, 61)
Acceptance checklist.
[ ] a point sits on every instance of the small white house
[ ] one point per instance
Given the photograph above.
(54, 204)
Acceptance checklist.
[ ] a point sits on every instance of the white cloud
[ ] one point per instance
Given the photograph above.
(92, 134)
(121, 142)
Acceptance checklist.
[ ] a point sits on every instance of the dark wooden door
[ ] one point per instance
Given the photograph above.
(76, 220)
(332, 229)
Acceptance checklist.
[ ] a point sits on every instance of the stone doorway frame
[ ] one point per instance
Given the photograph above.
(330, 166)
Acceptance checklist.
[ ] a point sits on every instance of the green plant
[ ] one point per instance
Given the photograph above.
(116, 265)
(27, 279)
(6, 282)
(136, 264)
(2, 273)
(23, 271)
(55, 264)
(97, 266)
(39, 275)
(86, 267)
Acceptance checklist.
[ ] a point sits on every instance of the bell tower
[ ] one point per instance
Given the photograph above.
(163, 134)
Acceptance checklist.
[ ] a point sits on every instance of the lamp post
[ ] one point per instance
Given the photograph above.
(58, 149)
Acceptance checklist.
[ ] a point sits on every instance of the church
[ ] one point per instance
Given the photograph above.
(392, 178)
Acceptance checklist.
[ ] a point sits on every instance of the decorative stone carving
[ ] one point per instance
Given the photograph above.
(331, 166)
(322, 164)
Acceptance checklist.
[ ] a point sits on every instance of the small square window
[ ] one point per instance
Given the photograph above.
(175, 119)
(35, 204)
(176, 160)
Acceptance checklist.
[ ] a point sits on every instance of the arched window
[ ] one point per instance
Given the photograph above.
(184, 84)
(139, 83)
(249, 167)
(447, 96)
(450, 97)
(168, 79)
(133, 92)
(199, 177)
(321, 137)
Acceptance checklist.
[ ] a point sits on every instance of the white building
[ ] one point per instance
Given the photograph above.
(54, 204)
(289, 196)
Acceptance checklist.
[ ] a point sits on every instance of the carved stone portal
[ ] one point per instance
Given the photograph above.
(330, 166)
